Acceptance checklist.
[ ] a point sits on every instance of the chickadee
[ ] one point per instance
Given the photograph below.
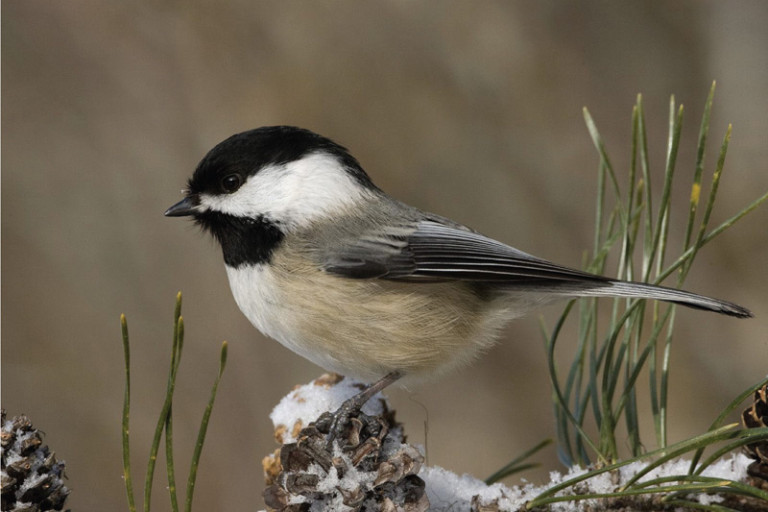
(323, 261)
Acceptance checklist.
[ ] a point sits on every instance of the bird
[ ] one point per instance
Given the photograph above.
(322, 260)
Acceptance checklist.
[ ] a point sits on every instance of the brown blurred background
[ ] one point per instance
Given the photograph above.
(468, 109)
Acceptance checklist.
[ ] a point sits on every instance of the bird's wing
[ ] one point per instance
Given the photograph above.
(434, 250)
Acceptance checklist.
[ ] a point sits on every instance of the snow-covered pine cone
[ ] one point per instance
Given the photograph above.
(370, 469)
(31, 475)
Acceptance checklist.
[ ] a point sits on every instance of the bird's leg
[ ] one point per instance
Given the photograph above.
(338, 420)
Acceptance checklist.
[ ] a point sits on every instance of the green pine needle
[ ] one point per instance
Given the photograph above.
(165, 421)
(516, 465)
(600, 386)
(604, 374)
(203, 429)
(126, 413)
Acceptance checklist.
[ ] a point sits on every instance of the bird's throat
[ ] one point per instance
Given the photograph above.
(243, 240)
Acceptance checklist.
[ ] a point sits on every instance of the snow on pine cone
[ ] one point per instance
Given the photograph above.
(370, 468)
(31, 475)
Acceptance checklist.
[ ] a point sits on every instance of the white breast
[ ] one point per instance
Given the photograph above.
(365, 328)
(262, 297)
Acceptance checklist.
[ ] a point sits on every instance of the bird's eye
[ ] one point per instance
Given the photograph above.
(231, 182)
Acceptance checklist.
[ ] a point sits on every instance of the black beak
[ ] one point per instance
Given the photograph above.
(185, 207)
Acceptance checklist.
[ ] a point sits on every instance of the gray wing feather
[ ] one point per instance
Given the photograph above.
(432, 250)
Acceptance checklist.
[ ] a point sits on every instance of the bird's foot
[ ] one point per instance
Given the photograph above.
(348, 420)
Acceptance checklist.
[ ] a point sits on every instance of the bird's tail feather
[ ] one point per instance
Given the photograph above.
(649, 291)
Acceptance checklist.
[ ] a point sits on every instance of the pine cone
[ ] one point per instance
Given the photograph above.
(756, 416)
(31, 475)
(370, 469)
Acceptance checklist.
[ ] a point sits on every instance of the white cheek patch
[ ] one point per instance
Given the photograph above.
(293, 194)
